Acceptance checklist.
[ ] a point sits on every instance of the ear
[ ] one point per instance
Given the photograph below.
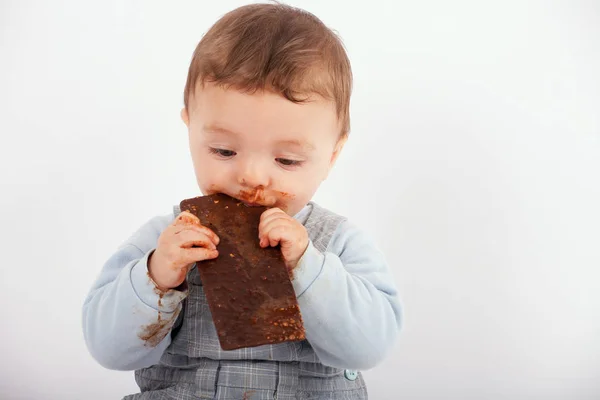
(337, 150)
(185, 117)
(336, 153)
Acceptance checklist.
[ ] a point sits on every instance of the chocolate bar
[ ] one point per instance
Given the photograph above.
(248, 288)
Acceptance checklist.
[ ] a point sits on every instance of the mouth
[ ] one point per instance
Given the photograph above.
(247, 204)
(255, 198)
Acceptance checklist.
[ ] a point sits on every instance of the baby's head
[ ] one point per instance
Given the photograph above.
(267, 105)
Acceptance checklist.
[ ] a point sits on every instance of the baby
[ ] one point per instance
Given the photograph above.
(267, 110)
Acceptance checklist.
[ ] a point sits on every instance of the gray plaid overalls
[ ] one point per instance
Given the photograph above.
(195, 367)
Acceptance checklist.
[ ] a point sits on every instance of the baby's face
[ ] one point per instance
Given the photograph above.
(261, 148)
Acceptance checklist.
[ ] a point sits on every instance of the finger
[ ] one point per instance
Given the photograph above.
(269, 224)
(278, 234)
(178, 229)
(270, 212)
(270, 215)
(186, 218)
(265, 226)
(197, 254)
(277, 231)
(190, 238)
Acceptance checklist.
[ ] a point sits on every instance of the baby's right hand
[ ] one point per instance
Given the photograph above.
(180, 245)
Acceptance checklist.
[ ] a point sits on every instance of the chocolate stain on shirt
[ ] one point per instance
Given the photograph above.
(154, 333)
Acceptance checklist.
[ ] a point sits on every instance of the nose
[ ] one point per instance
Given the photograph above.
(251, 174)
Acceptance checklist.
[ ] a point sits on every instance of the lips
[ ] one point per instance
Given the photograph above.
(252, 204)
(253, 198)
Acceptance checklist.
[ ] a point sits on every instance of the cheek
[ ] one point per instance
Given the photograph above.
(199, 160)
(320, 169)
(204, 167)
(305, 183)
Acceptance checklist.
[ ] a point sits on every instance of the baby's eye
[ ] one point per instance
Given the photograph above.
(223, 152)
(287, 162)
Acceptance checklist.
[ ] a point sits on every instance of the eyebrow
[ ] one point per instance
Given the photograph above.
(295, 143)
(218, 129)
(301, 145)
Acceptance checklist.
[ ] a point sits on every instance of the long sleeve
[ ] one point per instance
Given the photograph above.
(126, 320)
(349, 303)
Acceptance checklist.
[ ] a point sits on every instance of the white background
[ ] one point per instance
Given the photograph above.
(474, 158)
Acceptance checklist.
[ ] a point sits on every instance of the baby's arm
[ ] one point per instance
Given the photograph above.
(126, 320)
(348, 300)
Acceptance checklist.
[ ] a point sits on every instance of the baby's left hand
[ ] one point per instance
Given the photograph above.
(276, 227)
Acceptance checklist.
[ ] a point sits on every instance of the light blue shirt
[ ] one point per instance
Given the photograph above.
(349, 302)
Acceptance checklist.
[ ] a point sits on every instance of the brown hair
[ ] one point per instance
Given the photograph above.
(278, 48)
